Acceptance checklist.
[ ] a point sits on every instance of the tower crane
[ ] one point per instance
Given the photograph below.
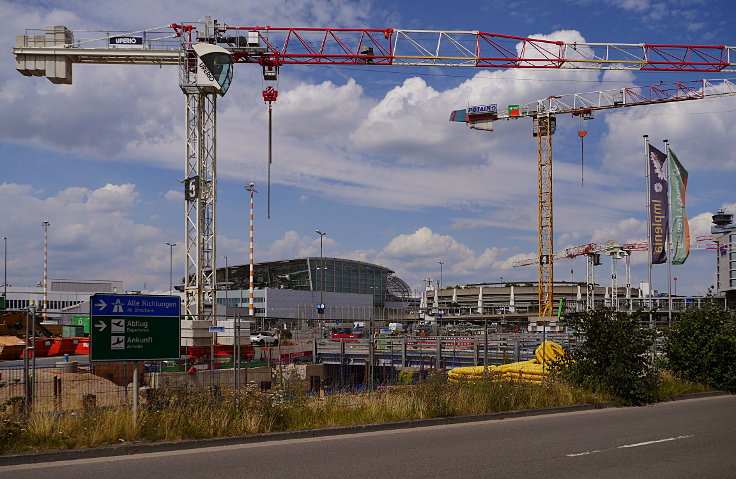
(205, 51)
(592, 253)
(616, 250)
(543, 113)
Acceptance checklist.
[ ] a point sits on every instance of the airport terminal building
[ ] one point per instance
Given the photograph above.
(349, 289)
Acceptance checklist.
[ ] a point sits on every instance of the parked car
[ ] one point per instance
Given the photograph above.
(264, 338)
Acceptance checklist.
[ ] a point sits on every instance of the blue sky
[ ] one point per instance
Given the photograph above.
(366, 155)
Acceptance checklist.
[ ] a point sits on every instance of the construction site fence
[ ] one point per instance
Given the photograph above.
(74, 382)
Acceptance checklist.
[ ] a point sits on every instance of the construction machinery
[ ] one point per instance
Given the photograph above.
(205, 50)
(617, 251)
(543, 113)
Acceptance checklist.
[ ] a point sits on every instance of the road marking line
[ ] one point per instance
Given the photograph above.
(582, 453)
(646, 443)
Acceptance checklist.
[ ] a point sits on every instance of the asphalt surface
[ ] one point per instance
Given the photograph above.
(689, 438)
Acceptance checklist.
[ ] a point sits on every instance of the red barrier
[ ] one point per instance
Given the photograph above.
(81, 346)
(55, 347)
(67, 345)
(41, 347)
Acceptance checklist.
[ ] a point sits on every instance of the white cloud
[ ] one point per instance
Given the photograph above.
(294, 245)
(424, 243)
(628, 230)
(89, 237)
(416, 256)
(174, 195)
(713, 120)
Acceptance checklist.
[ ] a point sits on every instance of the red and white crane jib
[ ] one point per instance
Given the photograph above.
(585, 103)
(391, 46)
(472, 48)
(586, 249)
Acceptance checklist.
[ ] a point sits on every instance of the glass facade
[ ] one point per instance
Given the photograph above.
(314, 274)
(346, 276)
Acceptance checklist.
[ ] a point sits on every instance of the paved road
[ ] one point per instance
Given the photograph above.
(688, 439)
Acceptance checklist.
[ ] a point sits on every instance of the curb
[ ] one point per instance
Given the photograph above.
(706, 394)
(164, 446)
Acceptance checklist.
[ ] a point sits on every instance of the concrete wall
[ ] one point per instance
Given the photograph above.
(207, 378)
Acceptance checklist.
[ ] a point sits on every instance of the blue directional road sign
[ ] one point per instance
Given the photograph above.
(135, 305)
(127, 327)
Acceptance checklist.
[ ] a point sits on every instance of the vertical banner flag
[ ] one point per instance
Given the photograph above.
(678, 215)
(658, 214)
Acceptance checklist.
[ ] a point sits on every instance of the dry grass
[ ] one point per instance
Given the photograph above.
(177, 414)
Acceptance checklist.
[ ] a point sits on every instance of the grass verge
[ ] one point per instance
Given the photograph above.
(194, 414)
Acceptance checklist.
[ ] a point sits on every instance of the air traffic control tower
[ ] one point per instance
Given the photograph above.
(723, 233)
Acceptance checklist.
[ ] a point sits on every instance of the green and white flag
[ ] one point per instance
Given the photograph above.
(678, 215)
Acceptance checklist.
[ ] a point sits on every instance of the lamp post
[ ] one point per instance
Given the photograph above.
(227, 278)
(322, 271)
(441, 263)
(171, 265)
(5, 270)
(501, 278)
(675, 278)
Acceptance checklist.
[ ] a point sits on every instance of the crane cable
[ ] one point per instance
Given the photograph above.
(581, 133)
(270, 150)
(269, 96)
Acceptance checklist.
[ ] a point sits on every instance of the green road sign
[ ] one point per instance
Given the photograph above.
(132, 327)
(134, 338)
(2, 303)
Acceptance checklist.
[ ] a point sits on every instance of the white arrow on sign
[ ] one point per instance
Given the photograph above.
(102, 305)
(101, 326)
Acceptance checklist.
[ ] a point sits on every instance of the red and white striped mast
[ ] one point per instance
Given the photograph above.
(45, 225)
(252, 189)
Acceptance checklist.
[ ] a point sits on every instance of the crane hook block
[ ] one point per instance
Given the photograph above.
(270, 94)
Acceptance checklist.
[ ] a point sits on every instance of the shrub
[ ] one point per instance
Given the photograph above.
(614, 356)
(701, 346)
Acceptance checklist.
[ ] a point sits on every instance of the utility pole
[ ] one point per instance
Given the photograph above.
(171, 266)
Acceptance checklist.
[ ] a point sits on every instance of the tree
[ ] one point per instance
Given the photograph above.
(613, 357)
(701, 346)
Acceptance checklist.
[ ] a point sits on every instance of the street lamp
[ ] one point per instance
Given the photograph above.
(5, 269)
(321, 307)
(675, 278)
(227, 279)
(171, 266)
(441, 263)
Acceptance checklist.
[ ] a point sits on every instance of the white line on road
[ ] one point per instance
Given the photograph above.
(582, 453)
(646, 443)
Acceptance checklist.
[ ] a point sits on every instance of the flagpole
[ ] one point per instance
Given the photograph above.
(669, 235)
(649, 223)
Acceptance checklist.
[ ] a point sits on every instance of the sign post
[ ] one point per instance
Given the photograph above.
(131, 327)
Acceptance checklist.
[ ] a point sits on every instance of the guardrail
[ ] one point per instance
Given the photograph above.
(436, 352)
